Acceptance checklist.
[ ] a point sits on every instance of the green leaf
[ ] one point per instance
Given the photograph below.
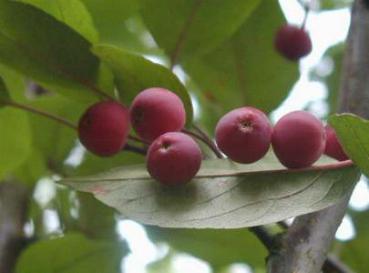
(15, 139)
(32, 168)
(72, 253)
(118, 23)
(52, 139)
(185, 28)
(92, 164)
(134, 73)
(223, 194)
(70, 12)
(232, 246)
(332, 80)
(4, 95)
(37, 45)
(246, 69)
(353, 132)
(335, 4)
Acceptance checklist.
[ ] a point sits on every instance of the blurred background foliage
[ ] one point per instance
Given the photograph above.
(221, 51)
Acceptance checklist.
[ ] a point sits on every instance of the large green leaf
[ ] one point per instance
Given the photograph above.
(353, 132)
(37, 45)
(70, 12)
(219, 248)
(134, 73)
(72, 253)
(15, 139)
(184, 28)
(246, 69)
(118, 23)
(223, 194)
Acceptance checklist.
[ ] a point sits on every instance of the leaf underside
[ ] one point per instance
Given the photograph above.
(223, 194)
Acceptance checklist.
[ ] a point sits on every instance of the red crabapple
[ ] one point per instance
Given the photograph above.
(104, 127)
(292, 42)
(244, 134)
(156, 111)
(298, 139)
(333, 147)
(173, 158)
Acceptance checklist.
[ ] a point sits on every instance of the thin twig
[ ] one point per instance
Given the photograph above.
(206, 140)
(135, 149)
(263, 235)
(137, 139)
(41, 113)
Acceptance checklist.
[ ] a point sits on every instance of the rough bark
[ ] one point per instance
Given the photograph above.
(13, 213)
(305, 246)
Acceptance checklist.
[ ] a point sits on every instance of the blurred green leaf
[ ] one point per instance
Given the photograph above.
(332, 81)
(92, 164)
(15, 139)
(72, 253)
(54, 140)
(246, 69)
(335, 4)
(185, 28)
(32, 169)
(70, 12)
(223, 194)
(118, 23)
(218, 247)
(353, 132)
(134, 73)
(37, 45)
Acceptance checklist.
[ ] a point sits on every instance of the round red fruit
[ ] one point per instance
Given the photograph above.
(104, 127)
(298, 139)
(173, 159)
(244, 134)
(156, 111)
(292, 42)
(333, 147)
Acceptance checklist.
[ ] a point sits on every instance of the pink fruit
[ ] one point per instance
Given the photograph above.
(104, 127)
(298, 139)
(173, 158)
(156, 111)
(244, 134)
(292, 42)
(333, 147)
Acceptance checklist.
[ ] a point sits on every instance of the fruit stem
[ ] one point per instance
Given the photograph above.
(204, 138)
(135, 149)
(41, 113)
(137, 139)
(307, 10)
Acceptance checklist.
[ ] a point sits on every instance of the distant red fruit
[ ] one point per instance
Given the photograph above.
(104, 127)
(298, 139)
(292, 42)
(333, 147)
(173, 159)
(244, 134)
(156, 111)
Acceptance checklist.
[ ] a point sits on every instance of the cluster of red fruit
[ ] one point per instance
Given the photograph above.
(244, 135)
